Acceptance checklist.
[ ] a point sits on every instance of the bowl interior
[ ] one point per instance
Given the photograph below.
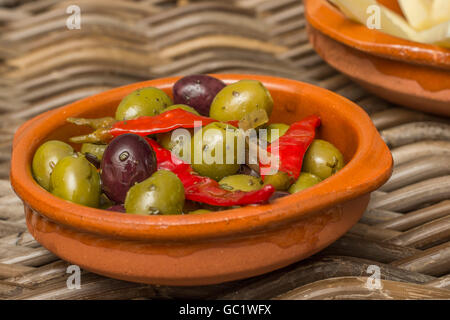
(289, 107)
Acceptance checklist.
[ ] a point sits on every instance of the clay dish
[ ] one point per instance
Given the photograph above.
(214, 247)
(407, 73)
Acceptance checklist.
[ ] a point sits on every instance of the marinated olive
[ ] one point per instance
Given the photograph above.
(240, 98)
(241, 182)
(304, 181)
(214, 151)
(197, 91)
(95, 149)
(276, 130)
(280, 180)
(143, 102)
(177, 142)
(75, 179)
(162, 193)
(46, 158)
(322, 159)
(127, 159)
(181, 106)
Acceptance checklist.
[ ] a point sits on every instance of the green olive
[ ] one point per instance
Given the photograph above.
(177, 141)
(322, 159)
(241, 182)
(275, 131)
(280, 180)
(143, 102)
(45, 159)
(199, 211)
(182, 106)
(214, 151)
(304, 181)
(75, 179)
(240, 98)
(161, 193)
(95, 149)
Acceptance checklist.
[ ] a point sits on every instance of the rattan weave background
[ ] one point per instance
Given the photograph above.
(43, 65)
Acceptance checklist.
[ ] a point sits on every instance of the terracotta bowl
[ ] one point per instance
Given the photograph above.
(214, 247)
(406, 73)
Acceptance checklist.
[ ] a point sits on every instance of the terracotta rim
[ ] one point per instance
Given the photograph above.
(409, 91)
(370, 167)
(325, 17)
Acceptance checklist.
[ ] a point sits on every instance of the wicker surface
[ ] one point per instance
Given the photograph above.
(405, 231)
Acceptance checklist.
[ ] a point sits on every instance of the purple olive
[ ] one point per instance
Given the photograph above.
(128, 159)
(117, 208)
(197, 91)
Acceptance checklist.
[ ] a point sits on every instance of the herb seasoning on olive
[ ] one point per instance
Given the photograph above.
(127, 159)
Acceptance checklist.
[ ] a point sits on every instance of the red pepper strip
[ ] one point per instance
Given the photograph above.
(292, 146)
(164, 122)
(204, 189)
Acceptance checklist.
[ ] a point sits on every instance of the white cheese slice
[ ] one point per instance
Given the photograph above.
(417, 12)
(393, 24)
(439, 34)
(390, 22)
(440, 11)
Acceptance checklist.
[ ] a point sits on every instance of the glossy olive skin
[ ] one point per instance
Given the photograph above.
(280, 180)
(95, 149)
(75, 179)
(45, 159)
(162, 193)
(241, 182)
(176, 143)
(240, 98)
(322, 159)
(127, 159)
(197, 91)
(143, 102)
(304, 181)
(275, 131)
(206, 143)
(181, 106)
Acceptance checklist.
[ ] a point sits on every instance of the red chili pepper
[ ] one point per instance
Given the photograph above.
(108, 128)
(292, 146)
(164, 122)
(204, 189)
